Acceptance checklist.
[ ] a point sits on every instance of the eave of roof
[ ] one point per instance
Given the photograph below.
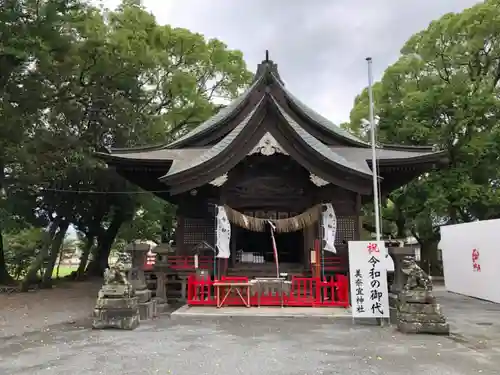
(157, 156)
(386, 157)
(359, 156)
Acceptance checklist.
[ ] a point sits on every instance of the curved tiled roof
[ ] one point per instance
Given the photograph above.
(319, 119)
(178, 167)
(320, 147)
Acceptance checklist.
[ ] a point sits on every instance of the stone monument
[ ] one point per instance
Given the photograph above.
(417, 309)
(116, 306)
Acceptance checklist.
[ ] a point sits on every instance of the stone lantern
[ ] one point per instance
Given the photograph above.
(161, 269)
(139, 251)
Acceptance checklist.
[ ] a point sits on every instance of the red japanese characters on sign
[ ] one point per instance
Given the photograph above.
(372, 248)
(475, 261)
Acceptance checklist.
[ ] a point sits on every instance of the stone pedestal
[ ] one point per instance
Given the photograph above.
(418, 312)
(147, 310)
(417, 309)
(161, 306)
(161, 286)
(116, 307)
(138, 281)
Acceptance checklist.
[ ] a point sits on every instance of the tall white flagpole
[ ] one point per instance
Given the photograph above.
(374, 152)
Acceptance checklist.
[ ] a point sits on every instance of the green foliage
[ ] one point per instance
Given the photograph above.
(76, 79)
(22, 248)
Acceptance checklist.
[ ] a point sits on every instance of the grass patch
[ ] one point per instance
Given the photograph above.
(63, 271)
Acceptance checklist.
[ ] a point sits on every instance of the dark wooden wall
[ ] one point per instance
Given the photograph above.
(265, 184)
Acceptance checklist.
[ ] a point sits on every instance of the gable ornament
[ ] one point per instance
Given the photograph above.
(267, 146)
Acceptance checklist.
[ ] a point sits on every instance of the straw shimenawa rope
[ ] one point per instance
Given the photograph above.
(291, 224)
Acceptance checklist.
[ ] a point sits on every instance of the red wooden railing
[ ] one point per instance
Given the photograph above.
(305, 291)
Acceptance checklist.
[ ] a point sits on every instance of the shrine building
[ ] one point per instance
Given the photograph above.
(268, 155)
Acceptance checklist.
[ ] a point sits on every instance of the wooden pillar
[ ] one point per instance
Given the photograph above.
(234, 235)
(308, 245)
(359, 226)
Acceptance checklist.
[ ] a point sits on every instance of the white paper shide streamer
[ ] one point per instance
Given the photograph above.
(329, 223)
(223, 234)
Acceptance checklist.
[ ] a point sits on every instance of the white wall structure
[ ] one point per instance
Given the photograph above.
(471, 259)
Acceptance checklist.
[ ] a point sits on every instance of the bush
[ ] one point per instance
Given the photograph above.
(21, 248)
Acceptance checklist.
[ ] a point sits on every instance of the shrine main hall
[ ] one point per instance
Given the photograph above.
(267, 155)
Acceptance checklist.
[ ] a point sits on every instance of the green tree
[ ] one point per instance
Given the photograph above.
(443, 91)
(30, 32)
(92, 79)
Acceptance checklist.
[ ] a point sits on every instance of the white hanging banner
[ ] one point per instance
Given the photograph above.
(223, 234)
(368, 279)
(329, 224)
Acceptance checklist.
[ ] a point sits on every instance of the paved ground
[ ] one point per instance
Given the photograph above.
(262, 346)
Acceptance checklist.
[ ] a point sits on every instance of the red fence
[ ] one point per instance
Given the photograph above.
(304, 291)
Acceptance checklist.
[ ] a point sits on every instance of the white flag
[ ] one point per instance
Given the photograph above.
(329, 224)
(223, 234)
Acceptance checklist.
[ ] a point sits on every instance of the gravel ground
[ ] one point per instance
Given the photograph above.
(258, 346)
(33, 311)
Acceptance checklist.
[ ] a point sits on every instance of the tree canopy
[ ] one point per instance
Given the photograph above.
(74, 79)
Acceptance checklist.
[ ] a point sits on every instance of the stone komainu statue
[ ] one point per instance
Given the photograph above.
(115, 275)
(417, 278)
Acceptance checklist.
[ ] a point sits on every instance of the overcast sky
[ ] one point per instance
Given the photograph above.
(320, 46)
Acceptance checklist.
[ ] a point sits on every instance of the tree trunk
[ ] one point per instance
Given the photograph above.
(59, 265)
(84, 257)
(5, 277)
(54, 252)
(429, 258)
(37, 263)
(104, 242)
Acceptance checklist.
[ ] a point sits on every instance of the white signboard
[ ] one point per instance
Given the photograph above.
(368, 279)
(470, 259)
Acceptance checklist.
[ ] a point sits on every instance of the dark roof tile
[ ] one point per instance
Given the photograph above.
(323, 149)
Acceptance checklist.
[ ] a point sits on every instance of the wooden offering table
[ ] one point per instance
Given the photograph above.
(236, 286)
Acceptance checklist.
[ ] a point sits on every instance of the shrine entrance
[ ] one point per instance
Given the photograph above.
(290, 246)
